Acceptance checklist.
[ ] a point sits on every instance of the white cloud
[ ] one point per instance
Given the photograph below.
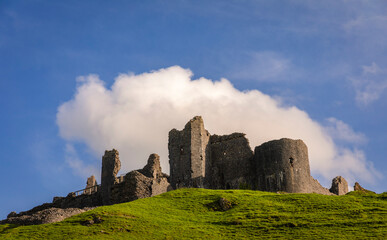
(136, 114)
(370, 85)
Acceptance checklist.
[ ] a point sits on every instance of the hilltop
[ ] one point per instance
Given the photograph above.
(230, 214)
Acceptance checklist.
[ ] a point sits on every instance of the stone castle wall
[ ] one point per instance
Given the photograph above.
(111, 165)
(282, 165)
(188, 155)
(230, 161)
(147, 182)
(198, 159)
(227, 162)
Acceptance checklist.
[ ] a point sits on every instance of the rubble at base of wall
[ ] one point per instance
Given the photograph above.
(146, 182)
(315, 187)
(49, 215)
(59, 209)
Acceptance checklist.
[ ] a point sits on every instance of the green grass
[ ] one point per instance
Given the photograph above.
(194, 213)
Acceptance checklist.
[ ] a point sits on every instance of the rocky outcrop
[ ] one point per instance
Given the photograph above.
(49, 215)
(315, 187)
(111, 164)
(339, 186)
(81, 201)
(146, 182)
(357, 187)
(42, 214)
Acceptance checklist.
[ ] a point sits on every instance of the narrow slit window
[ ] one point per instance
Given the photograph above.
(291, 161)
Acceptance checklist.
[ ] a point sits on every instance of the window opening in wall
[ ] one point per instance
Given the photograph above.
(291, 161)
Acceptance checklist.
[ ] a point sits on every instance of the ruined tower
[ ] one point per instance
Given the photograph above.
(188, 154)
(111, 164)
(282, 165)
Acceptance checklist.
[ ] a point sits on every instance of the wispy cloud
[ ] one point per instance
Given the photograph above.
(341, 131)
(367, 27)
(364, 24)
(77, 165)
(264, 67)
(370, 85)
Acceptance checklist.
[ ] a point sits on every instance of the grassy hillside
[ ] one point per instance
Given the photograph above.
(196, 213)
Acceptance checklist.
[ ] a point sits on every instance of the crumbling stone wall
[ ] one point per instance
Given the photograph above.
(91, 185)
(111, 164)
(315, 187)
(200, 160)
(230, 160)
(339, 186)
(81, 201)
(188, 153)
(222, 162)
(146, 182)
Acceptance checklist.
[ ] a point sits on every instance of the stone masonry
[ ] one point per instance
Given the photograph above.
(111, 164)
(188, 153)
(198, 159)
(339, 186)
(91, 185)
(230, 162)
(282, 165)
(146, 182)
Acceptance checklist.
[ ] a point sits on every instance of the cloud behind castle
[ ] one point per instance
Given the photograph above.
(136, 113)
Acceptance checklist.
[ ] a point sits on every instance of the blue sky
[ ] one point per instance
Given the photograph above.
(328, 59)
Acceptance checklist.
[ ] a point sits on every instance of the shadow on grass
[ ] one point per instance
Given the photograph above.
(6, 227)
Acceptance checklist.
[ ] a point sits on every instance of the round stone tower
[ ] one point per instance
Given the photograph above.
(282, 165)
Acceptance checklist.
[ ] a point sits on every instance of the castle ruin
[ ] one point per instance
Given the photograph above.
(200, 160)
